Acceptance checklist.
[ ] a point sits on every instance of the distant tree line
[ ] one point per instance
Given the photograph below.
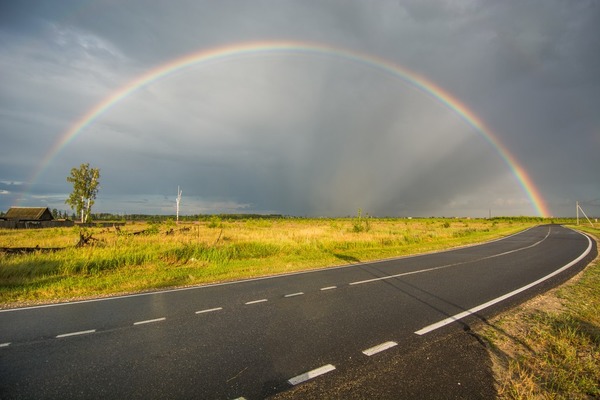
(189, 218)
(62, 214)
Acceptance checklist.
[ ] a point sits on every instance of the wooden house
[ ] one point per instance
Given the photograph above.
(28, 214)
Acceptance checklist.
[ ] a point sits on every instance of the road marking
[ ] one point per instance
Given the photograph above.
(379, 348)
(328, 288)
(209, 310)
(75, 333)
(294, 294)
(4, 344)
(402, 274)
(149, 321)
(256, 301)
(448, 265)
(480, 307)
(311, 374)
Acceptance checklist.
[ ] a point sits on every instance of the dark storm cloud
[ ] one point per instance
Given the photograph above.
(304, 135)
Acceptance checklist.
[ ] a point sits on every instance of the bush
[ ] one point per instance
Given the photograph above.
(215, 222)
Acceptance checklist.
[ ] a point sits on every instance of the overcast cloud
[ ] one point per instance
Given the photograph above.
(304, 134)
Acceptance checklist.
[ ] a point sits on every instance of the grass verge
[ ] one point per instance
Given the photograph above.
(143, 256)
(549, 347)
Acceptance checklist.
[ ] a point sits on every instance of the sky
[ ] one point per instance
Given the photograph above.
(359, 124)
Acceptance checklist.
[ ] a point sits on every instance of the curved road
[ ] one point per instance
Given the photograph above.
(258, 337)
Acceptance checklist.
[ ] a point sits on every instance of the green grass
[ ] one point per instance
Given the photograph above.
(549, 348)
(216, 250)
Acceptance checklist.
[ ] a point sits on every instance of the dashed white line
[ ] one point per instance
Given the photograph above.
(328, 288)
(311, 374)
(4, 344)
(294, 294)
(448, 265)
(379, 348)
(256, 301)
(402, 274)
(75, 333)
(209, 310)
(149, 321)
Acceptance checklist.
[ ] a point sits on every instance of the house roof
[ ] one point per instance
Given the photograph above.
(29, 213)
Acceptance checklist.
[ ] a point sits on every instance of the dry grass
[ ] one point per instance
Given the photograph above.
(213, 251)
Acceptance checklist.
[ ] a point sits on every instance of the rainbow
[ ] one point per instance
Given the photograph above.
(302, 48)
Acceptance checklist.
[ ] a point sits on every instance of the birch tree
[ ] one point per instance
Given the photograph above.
(85, 182)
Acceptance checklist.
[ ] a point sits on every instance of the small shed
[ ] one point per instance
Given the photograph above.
(28, 214)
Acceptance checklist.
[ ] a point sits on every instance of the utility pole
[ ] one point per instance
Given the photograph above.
(584, 214)
(178, 200)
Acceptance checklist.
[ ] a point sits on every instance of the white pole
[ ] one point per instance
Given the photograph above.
(178, 200)
(577, 208)
(585, 215)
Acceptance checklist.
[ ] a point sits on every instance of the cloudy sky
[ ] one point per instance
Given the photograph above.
(303, 133)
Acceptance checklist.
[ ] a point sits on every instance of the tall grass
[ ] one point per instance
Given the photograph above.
(215, 250)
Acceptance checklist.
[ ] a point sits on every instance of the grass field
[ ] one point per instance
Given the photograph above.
(549, 348)
(169, 255)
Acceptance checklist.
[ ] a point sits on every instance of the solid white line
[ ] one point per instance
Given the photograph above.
(256, 301)
(379, 348)
(328, 288)
(209, 310)
(448, 265)
(480, 307)
(294, 294)
(75, 333)
(4, 344)
(311, 374)
(149, 321)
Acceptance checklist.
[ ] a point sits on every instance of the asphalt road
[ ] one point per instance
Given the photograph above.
(257, 338)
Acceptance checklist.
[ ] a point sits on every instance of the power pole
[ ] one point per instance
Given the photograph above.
(584, 214)
(178, 201)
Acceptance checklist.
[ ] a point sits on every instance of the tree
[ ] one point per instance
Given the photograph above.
(85, 187)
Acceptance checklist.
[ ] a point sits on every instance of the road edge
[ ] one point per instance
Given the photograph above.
(505, 335)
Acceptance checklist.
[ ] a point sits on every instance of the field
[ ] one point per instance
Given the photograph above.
(145, 256)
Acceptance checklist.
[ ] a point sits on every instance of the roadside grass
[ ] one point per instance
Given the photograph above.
(168, 255)
(549, 347)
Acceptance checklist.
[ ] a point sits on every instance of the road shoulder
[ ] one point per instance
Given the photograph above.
(451, 366)
(549, 346)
